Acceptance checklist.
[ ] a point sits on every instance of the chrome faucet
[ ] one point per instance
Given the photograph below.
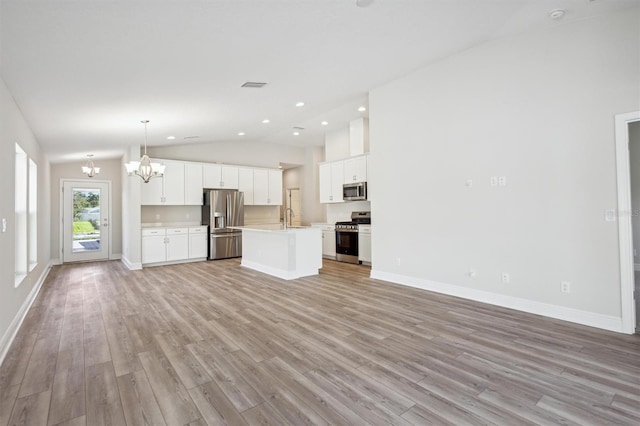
(288, 209)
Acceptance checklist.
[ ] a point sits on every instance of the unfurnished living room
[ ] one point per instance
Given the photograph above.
(335, 212)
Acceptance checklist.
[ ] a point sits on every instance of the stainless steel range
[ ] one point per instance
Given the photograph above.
(347, 237)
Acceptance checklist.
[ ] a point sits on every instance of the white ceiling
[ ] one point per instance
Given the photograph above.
(84, 73)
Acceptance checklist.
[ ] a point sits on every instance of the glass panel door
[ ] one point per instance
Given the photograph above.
(85, 221)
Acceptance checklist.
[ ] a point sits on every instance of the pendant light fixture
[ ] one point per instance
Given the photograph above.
(90, 169)
(145, 168)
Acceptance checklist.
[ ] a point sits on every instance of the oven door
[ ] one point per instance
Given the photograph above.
(347, 245)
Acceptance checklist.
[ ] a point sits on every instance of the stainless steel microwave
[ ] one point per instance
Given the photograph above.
(354, 191)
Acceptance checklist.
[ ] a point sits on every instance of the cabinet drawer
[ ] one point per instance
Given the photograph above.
(198, 230)
(177, 231)
(153, 232)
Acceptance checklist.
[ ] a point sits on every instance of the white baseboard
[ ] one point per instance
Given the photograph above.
(591, 319)
(55, 262)
(10, 334)
(115, 256)
(133, 266)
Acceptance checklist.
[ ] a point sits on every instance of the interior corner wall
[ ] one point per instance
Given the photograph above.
(312, 210)
(109, 170)
(14, 301)
(537, 108)
(634, 163)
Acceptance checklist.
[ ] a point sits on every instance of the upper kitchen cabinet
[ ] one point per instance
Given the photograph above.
(331, 180)
(167, 190)
(267, 187)
(193, 180)
(220, 176)
(245, 184)
(355, 169)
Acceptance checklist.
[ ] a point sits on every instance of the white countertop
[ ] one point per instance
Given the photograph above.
(272, 227)
(171, 225)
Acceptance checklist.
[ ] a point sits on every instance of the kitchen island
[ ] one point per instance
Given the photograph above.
(284, 253)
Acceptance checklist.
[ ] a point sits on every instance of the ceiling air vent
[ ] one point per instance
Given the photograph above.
(298, 128)
(254, 84)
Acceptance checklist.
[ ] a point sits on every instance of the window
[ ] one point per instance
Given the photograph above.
(33, 215)
(21, 241)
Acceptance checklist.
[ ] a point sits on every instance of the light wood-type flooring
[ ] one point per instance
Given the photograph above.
(214, 343)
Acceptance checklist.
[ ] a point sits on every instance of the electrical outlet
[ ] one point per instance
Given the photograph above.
(502, 181)
(565, 286)
(506, 278)
(398, 261)
(471, 273)
(610, 215)
(469, 183)
(4, 225)
(494, 181)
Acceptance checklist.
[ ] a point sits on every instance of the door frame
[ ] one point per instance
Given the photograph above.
(625, 236)
(61, 224)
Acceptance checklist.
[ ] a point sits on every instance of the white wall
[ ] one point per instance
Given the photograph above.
(539, 109)
(634, 161)
(109, 170)
(131, 221)
(13, 301)
(337, 145)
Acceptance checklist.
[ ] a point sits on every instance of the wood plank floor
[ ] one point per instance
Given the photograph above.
(212, 343)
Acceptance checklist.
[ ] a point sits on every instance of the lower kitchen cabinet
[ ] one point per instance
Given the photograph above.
(328, 241)
(364, 244)
(198, 244)
(167, 245)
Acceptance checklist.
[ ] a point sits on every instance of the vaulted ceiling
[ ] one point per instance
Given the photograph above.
(84, 73)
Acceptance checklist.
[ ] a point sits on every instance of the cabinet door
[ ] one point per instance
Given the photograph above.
(177, 247)
(198, 245)
(329, 243)
(260, 187)
(364, 247)
(275, 188)
(229, 177)
(173, 183)
(211, 175)
(154, 249)
(337, 180)
(355, 170)
(151, 192)
(245, 184)
(193, 184)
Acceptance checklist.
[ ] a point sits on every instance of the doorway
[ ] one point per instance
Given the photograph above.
(625, 214)
(293, 202)
(85, 221)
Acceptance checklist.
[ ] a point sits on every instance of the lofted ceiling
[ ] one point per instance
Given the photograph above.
(84, 73)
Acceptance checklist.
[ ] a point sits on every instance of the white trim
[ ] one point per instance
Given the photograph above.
(12, 331)
(625, 237)
(591, 319)
(133, 266)
(55, 262)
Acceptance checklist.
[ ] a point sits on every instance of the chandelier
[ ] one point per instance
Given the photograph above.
(145, 168)
(90, 169)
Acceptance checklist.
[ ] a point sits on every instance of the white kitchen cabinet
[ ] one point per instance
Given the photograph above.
(193, 184)
(329, 241)
(245, 184)
(166, 245)
(364, 244)
(355, 169)
(165, 190)
(331, 181)
(154, 245)
(220, 176)
(267, 187)
(198, 242)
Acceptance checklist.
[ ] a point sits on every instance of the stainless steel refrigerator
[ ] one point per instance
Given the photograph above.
(222, 209)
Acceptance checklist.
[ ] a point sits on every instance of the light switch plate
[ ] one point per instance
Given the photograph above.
(4, 225)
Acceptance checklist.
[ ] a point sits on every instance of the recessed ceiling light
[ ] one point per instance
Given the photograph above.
(362, 109)
(556, 14)
(240, 133)
(266, 120)
(300, 104)
(325, 123)
(171, 137)
(296, 133)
